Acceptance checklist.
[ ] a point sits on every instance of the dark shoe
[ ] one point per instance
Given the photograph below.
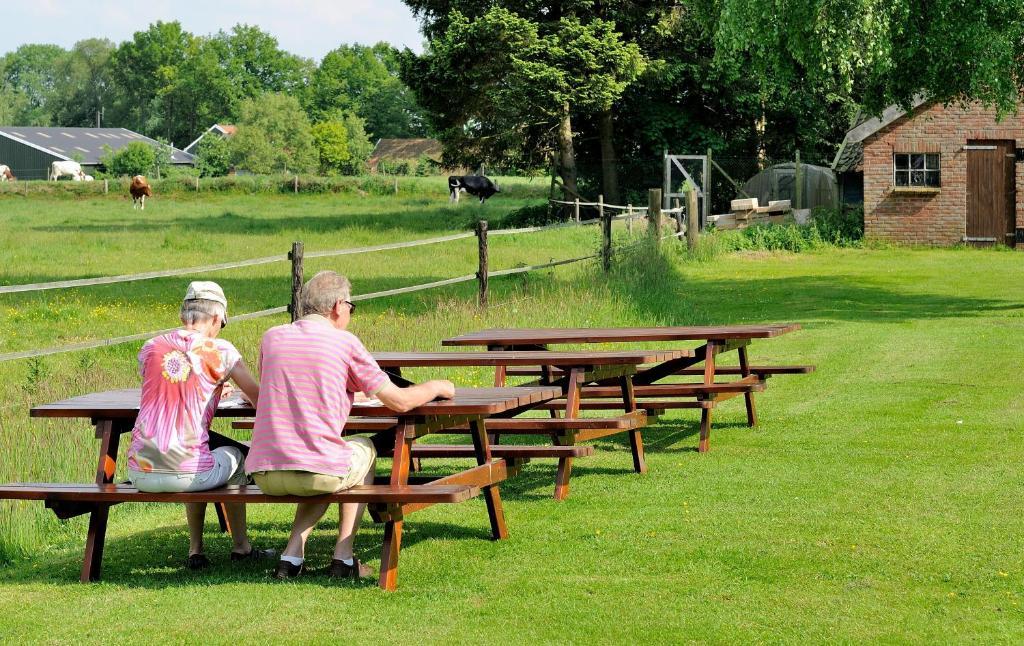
(197, 562)
(286, 570)
(254, 555)
(341, 570)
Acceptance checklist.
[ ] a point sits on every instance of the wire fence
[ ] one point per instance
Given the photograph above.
(481, 276)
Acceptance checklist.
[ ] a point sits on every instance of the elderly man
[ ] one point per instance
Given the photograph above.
(310, 371)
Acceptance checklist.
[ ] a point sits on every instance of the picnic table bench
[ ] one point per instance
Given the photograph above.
(574, 369)
(390, 499)
(650, 391)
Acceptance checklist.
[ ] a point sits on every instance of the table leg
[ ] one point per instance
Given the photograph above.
(393, 526)
(109, 434)
(492, 495)
(705, 430)
(499, 371)
(636, 440)
(710, 350)
(572, 411)
(749, 396)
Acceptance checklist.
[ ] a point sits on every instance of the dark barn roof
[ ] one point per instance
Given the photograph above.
(400, 149)
(87, 144)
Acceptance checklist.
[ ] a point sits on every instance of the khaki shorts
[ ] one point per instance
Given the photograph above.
(306, 483)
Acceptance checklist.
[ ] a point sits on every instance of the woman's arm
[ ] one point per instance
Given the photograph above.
(243, 379)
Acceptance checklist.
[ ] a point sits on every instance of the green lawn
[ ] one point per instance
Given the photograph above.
(879, 499)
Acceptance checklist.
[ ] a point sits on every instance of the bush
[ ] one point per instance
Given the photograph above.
(213, 157)
(137, 158)
(827, 228)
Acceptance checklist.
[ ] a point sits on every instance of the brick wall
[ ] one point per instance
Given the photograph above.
(938, 218)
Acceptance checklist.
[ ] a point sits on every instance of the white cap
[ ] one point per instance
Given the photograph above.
(207, 290)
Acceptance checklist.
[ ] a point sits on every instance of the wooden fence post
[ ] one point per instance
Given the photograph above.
(576, 209)
(654, 212)
(396, 184)
(692, 218)
(606, 235)
(295, 183)
(197, 183)
(106, 186)
(678, 215)
(296, 257)
(481, 274)
(629, 219)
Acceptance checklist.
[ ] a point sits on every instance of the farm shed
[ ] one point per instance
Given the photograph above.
(407, 150)
(223, 130)
(778, 182)
(29, 150)
(938, 174)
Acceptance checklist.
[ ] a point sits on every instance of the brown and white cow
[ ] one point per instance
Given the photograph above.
(5, 173)
(140, 190)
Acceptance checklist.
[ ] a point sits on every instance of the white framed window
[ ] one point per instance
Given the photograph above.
(916, 169)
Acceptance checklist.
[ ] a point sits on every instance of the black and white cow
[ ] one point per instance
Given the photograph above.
(476, 185)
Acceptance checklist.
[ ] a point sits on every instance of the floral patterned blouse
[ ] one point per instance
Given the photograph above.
(182, 374)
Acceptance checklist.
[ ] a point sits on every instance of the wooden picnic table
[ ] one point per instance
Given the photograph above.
(717, 340)
(113, 413)
(576, 368)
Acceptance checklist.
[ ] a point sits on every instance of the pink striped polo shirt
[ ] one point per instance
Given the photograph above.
(309, 372)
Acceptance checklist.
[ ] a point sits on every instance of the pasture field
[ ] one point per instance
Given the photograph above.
(879, 499)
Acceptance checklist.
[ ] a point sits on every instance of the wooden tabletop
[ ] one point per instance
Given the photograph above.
(527, 358)
(124, 404)
(537, 336)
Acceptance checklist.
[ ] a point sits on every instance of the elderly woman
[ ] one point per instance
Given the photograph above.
(183, 374)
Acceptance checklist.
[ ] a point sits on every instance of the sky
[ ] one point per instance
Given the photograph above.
(309, 28)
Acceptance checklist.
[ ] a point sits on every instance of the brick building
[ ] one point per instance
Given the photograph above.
(938, 175)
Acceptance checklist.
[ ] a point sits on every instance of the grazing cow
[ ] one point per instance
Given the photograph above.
(476, 185)
(6, 174)
(88, 178)
(59, 169)
(140, 190)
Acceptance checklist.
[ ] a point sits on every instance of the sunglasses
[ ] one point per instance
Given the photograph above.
(351, 307)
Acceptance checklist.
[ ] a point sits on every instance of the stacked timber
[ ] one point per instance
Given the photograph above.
(747, 211)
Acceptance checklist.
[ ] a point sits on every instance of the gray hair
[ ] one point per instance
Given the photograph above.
(322, 292)
(200, 310)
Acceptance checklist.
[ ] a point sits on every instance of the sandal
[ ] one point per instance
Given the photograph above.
(342, 570)
(197, 562)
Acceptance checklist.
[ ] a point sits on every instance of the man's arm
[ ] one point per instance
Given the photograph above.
(402, 400)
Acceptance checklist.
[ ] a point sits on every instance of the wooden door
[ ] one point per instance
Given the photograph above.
(991, 192)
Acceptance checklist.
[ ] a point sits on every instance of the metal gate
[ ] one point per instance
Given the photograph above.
(678, 163)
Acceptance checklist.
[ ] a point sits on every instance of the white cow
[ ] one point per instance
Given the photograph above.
(61, 168)
(88, 178)
(5, 173)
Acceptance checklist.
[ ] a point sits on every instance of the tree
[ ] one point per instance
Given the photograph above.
(880, 51)
(137, 158)
(359, 146)
(28, 81)
(213, 156)
(83, 85)
(364, 80)
(273, 136)
(201, 95)
(506, 80)
(254, 63)
(331, 140)
(146, 69)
